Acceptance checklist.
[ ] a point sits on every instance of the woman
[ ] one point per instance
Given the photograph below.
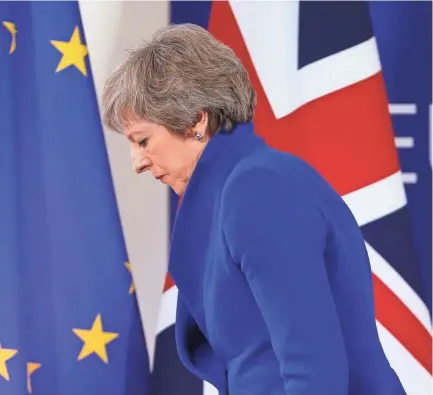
(275, 289)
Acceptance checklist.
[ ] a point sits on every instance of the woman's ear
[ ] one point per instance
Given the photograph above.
(202, 122)
(199, 131)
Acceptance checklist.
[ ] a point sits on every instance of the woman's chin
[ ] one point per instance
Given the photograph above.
(177, 188)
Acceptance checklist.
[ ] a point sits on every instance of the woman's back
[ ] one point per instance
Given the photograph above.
(275, 286)
(348, 276)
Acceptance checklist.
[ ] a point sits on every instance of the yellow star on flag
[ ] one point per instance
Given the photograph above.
(5, 355)
(131, 287)
(95, 340)
(31, 368)
(73, 52)
(10, 26)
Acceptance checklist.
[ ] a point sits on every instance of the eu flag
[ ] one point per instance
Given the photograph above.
(69, 319)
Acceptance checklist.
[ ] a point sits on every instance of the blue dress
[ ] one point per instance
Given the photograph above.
(275, 286)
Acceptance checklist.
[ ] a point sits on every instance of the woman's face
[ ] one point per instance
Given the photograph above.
(169, 157)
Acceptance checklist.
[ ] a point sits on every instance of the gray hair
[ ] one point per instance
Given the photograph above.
(172, 79)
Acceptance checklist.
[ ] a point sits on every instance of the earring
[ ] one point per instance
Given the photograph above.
(197, 136)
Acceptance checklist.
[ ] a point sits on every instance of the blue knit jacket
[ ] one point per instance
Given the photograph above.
(275, 286)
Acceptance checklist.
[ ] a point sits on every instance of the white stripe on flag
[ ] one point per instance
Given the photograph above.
(377, 200)
(209, 389)
(167, 311)
(270, 31)
(382, 269)
(414, 378)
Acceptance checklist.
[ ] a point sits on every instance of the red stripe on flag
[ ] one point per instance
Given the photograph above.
(168, 282)
(347, 135)
(402, 323)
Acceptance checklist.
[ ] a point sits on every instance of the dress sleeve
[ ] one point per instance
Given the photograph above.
(277, 237)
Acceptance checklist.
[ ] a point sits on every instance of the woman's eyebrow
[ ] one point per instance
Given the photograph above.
(136, 132)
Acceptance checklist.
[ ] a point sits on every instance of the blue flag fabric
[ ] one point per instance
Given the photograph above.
(69, 319)
(403, 31)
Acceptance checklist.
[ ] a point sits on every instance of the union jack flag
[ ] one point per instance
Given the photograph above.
(321, 95)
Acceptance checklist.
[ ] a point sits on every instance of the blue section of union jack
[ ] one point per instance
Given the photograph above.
(326, 28)
(321, 95)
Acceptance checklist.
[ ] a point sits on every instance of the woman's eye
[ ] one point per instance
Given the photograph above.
(143, 142)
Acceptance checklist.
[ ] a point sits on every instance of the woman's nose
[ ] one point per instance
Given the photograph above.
(140, 167)
(140, 162)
